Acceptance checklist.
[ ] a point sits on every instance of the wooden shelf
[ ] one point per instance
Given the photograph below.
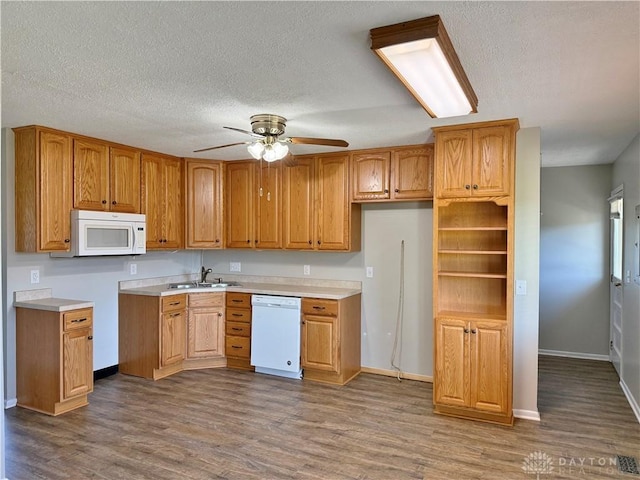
(472, 274)
(471, 316)
(474, 252)
(473, 229)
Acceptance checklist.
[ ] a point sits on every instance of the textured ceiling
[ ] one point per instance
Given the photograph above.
(167, 76)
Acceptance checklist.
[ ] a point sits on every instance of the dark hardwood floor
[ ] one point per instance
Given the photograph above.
(225, 424)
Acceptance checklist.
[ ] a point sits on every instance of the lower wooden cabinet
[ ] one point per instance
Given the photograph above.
(54, 359)
(473, 367)
(205, 331)
(238, 331)
(151, 336)
(331, 339)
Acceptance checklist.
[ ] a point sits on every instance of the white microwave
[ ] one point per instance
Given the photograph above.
(105, 233)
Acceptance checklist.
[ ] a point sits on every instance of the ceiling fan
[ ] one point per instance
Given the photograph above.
(270, 145)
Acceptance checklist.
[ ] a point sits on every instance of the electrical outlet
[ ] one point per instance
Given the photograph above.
(133, 269)
(307, 269)
(235, 267)
(369, 272)
(35, 276)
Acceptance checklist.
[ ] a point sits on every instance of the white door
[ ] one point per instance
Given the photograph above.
(616, 287)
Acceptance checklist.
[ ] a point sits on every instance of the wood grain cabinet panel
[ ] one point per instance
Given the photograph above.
(206, 327)
(43, 184)
(412, 171)
(54, 359)
(204, 216)
(299, 204)
(124, 180)
(370, 175)
(238, 331)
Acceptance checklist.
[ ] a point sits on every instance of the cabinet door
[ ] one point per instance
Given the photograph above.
(320, 343)
(55, 192)
(370, 176)
(298, 204)
(268, 220)
(124, 180)
(412, 174)
(332, 180)
(90, 175)
(205, 333)
(451, 379)
(173, 215)
(490, 367)
(491, 162)
(453, 152)
(204, 205)
(239, 205)
(77, 363)
(152, 199)
(172, 342)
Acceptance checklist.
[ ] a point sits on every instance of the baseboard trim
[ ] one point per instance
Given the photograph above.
(105, 372)
(533, 415)
(632, 401)
(394, 373)
(10, 403)
(583, 356)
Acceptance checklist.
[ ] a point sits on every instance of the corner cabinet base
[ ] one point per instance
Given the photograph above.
(59, 407)
(330, 377)
(470, 414)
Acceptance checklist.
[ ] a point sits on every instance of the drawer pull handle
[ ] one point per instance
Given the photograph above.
(236, 329)
(79, 320)
(237, 315)
(235, 346)
(173, 304)
(236, 300)
(317, 307)
(173, 315)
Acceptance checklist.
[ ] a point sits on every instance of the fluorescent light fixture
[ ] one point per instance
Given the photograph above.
(420, 54)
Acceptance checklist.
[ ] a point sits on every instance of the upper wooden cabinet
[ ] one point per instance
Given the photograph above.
(204, 207)
(476, 159)
(403, 173)
(162, 201)
(43, 180)
(253, 204)
(104, 178)
(317, 212)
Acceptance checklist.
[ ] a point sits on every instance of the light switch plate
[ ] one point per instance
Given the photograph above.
(35, 276)
(521, 287)
(369, 272)
(307, 270)
(235, 267)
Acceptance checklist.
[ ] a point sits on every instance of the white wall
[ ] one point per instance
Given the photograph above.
(527, 245)
(626, 171)
(574, 260)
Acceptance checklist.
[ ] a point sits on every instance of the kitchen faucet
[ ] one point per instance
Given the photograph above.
(203, 274)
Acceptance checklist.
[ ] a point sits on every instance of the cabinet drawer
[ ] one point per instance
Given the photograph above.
(239, 329)
(174, 302)
(319, 306)
(238, 315)
(206, 299)
(78, 319)
(242, 300)
(238, 346)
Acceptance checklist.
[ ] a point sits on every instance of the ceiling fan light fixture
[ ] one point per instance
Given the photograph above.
(421, 55)
(256, 149)
(280, 149)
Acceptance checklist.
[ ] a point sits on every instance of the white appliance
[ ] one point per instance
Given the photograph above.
(106, 233)
(275, 335)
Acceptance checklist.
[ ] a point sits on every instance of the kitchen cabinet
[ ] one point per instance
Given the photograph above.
(253, 204)
(43, 189)
(473, 258)
(398, 174)
(162, 199)
(205, 330)
(331, 339)
(105, 178)
(151, 334)
(473, 366)
(318, 214)
(475, 160)
(204, 207)
(54, 359)
(238, 330)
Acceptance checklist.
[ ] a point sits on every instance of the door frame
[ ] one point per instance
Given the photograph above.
(616, 282)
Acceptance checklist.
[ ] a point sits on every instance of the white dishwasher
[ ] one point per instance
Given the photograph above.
(275, 335)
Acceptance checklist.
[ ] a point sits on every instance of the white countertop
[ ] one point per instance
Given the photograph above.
(258, 285)
(41, 299)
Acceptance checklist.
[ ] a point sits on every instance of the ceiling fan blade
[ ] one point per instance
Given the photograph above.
(317, 141)
(221, 146)
(244, 131)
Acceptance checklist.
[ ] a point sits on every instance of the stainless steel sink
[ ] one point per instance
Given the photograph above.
(188, 285)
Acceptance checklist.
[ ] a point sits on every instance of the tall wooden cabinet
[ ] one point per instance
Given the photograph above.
(54, 359)
(204, 207)
(473, 257)
(318, 213)
(43, 184)
(162, 199)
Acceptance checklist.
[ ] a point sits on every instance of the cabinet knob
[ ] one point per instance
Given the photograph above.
(319, 242)
(104, 202)
(217, 240)
(219, 314)
(90, 337)
(466, 330)
(248, 241)
(475, 187)
(467, 187)
(397, 190)
(113, 202)
(386, 190)
(474, 331)
(310, 242)
(256, 240)
(66, 240)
